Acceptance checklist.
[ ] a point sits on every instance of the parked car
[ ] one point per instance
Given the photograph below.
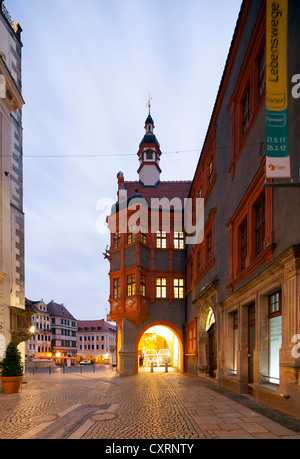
(164, 356)
(86, 362)
(150, 356)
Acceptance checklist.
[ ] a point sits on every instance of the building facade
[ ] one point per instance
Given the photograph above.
(96, 341)
(238, 320)
(63, 331)
(40, 341)
(243, 279)
(14, 322)
(147, 261)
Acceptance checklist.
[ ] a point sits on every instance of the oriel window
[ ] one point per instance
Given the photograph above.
(117, 288)
(131, 235)
(117, 240)
(131, 285)
(143, 285)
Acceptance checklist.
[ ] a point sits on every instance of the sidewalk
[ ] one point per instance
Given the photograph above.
(102, 405)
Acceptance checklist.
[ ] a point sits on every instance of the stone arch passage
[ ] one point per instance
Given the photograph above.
(207, 341)
(160, 337)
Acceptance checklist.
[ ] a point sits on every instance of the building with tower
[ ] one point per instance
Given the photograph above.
(147, 260)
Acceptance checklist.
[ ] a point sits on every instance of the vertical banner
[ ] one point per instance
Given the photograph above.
(277, 132)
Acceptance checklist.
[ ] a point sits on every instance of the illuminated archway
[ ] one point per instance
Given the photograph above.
(163, 339)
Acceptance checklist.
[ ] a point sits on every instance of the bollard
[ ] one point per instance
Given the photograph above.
(33, 370)
(166, 368)
(64, 369)
(81, 369)
(151, 367)
(93, 368)
(50, 370)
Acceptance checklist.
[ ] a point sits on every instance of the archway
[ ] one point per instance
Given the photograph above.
(208, 341)
(160, 343)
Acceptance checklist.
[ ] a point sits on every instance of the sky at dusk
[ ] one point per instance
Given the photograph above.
(88, 69)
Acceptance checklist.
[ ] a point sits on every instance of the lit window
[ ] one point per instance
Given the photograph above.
(178, 288)
(178, 240)
(161, 287)
(131, 235)
(275, 336)
(117, 288)
(143, 285)
(143, 235)
(131, 285)
(117, 240)
(161, 239)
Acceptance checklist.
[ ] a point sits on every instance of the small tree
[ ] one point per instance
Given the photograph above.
(12, 364)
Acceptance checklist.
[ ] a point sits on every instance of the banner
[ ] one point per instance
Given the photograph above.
(277, 127)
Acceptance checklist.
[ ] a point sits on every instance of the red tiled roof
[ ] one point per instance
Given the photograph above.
(167, 190)
(89, 324)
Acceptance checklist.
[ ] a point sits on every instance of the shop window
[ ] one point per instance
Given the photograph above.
(235, 340)
(275, 336)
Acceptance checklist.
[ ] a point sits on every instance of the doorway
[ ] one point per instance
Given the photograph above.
(251, 345)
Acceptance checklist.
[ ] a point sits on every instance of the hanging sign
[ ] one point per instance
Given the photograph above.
(277, 141)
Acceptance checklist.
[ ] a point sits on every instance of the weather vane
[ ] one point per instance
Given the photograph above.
(149, 102)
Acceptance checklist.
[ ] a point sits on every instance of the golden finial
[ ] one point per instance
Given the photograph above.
(149, 102)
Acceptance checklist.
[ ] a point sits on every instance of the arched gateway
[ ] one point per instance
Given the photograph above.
(147, 260)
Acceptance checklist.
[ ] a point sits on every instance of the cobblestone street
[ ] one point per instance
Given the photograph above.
(102, 405)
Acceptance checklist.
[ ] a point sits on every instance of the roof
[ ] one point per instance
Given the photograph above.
(149, 138)
(169, 190)
(94, 325)
(59, 310)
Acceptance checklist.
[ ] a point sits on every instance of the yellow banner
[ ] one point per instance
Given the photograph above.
(276, 55)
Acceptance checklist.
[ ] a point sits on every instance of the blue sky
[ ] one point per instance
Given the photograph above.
(88, 69)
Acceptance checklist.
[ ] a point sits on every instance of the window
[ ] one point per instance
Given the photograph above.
(210, 170)
(178, 240)
(117, 240)
(117, 288)
(209, 248)
(161, 239)
(260, 225)
(246, 111)
(131, 285)
(143, 285)
(243, 244)
(161, 287)
(262, 72)
(275, 335)
(235, 340)
(131, 235)
(143, 235)
(178, 288)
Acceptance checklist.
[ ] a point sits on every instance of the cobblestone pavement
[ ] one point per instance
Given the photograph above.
(102, 405)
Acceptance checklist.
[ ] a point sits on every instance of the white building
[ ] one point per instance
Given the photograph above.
(96, 341)
(14, 320)
(40, 341)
